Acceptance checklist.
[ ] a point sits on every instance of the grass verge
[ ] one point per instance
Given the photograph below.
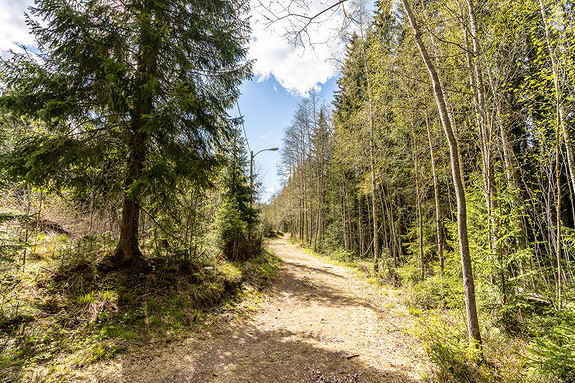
(60, 317)
(439, 312)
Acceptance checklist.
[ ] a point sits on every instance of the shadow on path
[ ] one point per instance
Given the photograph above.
(310, 332)
(248, 354)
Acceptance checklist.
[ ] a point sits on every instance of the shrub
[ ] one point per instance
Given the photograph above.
(456, 360)
(554, 350)
(233, 236)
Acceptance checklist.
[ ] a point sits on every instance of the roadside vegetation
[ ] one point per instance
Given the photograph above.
(126, 212)
(444, 166)
(62, 309)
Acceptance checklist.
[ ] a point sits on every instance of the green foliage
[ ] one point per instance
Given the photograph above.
(85, 81)
(236, 219)
(124, 102)
(231, 231)
(447, 347)
(72, 315)
(10, 242)
(234, 183)
(553, 350)
(455, 360)
(510, 104)
(267, 229)
(332, 238)
(433, 293)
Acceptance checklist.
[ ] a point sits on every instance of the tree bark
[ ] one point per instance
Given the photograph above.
(561, 127)
(560, 110)
(418, 205)
(468, 282)
(127, 252)
(373, 196)
(376, 245)
(438, 225)
(485, 131)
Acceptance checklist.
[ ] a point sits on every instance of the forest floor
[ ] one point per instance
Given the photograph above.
(319, 322)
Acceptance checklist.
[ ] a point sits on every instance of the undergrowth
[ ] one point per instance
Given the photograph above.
(516, 344)
(523, 340)
(61, 313)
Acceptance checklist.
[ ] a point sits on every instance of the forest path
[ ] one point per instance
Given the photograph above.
(321, 323)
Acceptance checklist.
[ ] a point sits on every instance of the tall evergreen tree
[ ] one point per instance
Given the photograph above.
(236, 216)
(142, 86)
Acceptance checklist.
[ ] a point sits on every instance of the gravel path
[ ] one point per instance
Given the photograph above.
(321, 323)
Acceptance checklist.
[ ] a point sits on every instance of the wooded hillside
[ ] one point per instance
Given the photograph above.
(447, 160)
(125, 207)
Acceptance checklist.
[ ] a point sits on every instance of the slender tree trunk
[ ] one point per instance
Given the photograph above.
(385, 228)
(560, 110)
(369, 223)
(561, 127)
(558, 234)
(349, 216)
(395, 241)
(360, 225)
(303, 221)
(343, 218)
(468, 281)
(374, 205)
(27, 226)
(418, 205)
(438, 225)
(506, 152)
(485, 130)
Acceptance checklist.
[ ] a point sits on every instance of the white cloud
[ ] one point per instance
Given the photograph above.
(298, 68)
(14, 29)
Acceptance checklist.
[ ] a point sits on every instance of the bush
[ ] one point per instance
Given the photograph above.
(267, 229)
(554, 350)
(455, 359)
(233, 236)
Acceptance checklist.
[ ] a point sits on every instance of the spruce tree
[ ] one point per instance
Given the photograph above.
(236, 215)
(139, 86)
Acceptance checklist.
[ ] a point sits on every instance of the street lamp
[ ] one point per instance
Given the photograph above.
(252, 155)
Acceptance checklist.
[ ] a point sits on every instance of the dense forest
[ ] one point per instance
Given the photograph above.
(443, 170)
(126, 208)
(446, 160)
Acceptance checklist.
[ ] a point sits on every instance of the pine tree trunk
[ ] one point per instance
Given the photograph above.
(395, 241)
(485, 130)
(560, 110)
(561, 127)
(374, 198)
(418, 205)
(558, 233)
(360, 226)
(343, 217)
(127, 252)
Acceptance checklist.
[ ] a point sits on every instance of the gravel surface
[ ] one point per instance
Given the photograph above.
(321, 323)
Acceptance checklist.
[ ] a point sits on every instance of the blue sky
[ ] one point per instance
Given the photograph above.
(283, 73)
(268, 108)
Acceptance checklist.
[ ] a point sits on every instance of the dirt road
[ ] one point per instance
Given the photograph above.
(322, 323)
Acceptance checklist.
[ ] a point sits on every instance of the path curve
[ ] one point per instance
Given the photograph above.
(322, 323)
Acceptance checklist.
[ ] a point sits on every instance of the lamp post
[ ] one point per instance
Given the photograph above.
(252, 155)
